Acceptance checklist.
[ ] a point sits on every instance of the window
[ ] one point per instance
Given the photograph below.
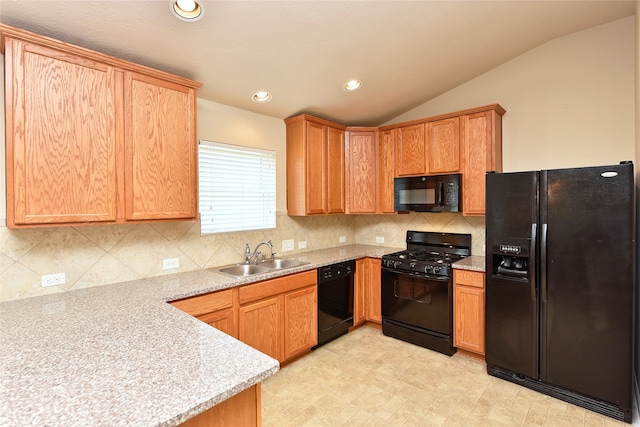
(237, 188)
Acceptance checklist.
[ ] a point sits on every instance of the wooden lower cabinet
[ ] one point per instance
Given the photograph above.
(216, 308)
(374, 303)
(359, 291)
(469, 310)
(367, 303)
(241, 410)
(279, 317)
(260, 326)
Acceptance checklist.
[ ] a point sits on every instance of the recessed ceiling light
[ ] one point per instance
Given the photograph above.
(352, 85)
(187, 10)
(261, 97)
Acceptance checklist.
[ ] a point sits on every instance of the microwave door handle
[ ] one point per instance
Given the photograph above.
(441, 201)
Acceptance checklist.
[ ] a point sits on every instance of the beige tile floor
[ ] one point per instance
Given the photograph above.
(367, 379)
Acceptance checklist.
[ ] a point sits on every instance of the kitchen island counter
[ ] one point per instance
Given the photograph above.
(119, 355)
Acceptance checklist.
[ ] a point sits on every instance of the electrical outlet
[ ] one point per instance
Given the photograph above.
(302, 245)
(170, 263)
(53, 279)
(379, 239)
(343, 239)
(287, 245)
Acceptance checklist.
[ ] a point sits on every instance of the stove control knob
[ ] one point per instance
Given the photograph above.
(436, 270)
(412, 265)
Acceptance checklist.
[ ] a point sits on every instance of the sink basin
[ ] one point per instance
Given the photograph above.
(244, 270)
(279, 264)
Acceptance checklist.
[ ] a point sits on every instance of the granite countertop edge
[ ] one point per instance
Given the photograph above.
(120, 355)
(472, 263)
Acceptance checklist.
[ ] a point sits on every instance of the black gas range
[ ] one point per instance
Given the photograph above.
(417, 289)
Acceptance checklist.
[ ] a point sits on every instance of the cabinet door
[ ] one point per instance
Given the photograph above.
(335, 171)
(316, 168)
(469, 310)
(410, 151)
(260, 326)
(444, 146)
(386, 171)
(374, 303)
(359, 292)
(224, 320)
(362, 155)
(160, 153)
(300, 321)
(482, 153)
(62, 135)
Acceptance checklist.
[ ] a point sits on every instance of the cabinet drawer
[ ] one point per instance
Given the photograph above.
(208, 303)
(277, 286)
(468, 278)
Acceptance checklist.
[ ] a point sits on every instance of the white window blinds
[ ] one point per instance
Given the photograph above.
(237, 188)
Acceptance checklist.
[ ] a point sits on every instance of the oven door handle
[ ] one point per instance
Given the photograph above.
(418, 274)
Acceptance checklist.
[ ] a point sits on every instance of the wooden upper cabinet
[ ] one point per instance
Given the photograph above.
(336, 174)
(443, 146)
(411, 151)
(315, 166)
(362, 153)
(160, 151)
(85, 131)
(386, 171)
(482, 145)
(61, 137)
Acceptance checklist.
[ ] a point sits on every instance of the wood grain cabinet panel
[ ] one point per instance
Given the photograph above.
(62, 136)
(240, 410)
(260, 326)
(411, 151)
(315, 166)
(336, 171)
(469, 310)
(386, 171)
(360, 292)
(362, 153)
(217, 309)
(374, 302)
(85, 131)
(160, 152)
(482, 142)
(300, 329)
(280, 316)
(443, 146)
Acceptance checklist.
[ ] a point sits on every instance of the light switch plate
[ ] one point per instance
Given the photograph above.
(302, 244)
(379, 239)
(343, 239)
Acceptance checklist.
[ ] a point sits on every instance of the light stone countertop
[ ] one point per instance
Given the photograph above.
(474, 263)
(119, 355)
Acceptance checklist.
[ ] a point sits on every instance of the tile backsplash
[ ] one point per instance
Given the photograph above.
(104, 254)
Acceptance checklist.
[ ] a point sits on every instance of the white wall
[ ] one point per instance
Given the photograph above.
(569, 102)
(221, 123)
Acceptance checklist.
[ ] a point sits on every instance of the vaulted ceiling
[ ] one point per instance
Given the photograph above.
(303, 52)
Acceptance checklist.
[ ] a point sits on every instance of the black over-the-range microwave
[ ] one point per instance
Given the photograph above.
(436, 193)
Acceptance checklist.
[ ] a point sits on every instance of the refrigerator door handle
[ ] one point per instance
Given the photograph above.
(543, 262)
(532, 261)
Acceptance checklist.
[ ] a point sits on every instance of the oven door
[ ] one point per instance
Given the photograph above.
(418, 300)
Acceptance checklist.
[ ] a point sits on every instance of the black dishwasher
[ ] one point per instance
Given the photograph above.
(335, 300)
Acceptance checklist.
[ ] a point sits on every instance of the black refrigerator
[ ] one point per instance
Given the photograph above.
(560, 283)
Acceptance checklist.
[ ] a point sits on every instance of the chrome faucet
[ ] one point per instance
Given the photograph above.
(248, 255)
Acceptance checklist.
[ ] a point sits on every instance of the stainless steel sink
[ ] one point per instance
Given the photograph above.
(279, 264)
(243, 270)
